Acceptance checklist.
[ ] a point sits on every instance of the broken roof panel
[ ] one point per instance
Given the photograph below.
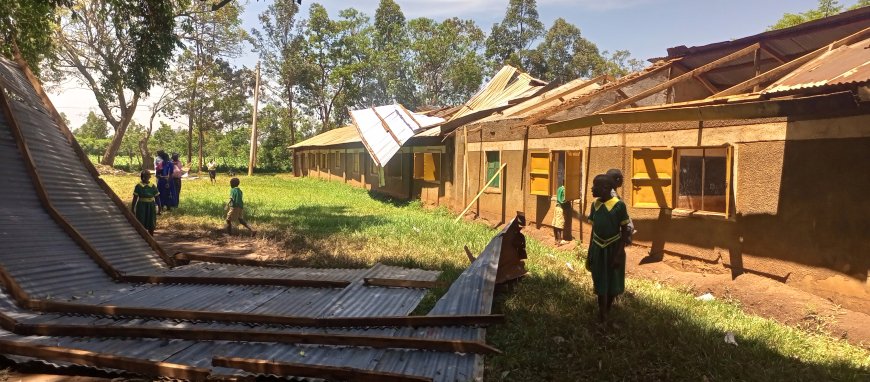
(846, 65)
(341, 135)
(384, 129)
(550, 100)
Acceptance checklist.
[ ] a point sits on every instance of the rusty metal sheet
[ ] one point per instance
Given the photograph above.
(849, 64)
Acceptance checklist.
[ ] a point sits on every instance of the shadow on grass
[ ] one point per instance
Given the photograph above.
(551, 334)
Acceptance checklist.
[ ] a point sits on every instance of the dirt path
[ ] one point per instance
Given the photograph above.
(756, 294)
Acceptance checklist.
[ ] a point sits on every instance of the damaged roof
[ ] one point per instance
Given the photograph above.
(384, 129)
(846, 65)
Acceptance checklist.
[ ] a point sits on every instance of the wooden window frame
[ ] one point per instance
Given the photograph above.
(421, 176)
(486, 176)
(533, 173)
(729, 155)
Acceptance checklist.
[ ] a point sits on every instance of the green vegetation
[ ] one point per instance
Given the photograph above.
(550, 333)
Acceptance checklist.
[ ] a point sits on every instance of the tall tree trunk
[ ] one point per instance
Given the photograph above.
(190, 120)
(201, 144)
(115, 144)
(290, 115)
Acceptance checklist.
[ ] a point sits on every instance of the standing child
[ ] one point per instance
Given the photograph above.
(177, 172)
(212, 171)
(559, 214)
(606, 258)
(236, 207)
(143, 202)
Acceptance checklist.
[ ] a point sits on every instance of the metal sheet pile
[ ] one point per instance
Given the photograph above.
(82, 284)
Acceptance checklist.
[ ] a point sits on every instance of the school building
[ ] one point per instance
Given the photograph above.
(750, 154)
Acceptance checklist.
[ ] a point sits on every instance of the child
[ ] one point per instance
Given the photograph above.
(559, 214)
(606, 258)
(143, 202)
(212, 171)
(616, 175)
(236, 207)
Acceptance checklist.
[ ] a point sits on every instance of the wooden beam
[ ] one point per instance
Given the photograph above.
(86, 162)
(482, 189)
(199, 334)
(387, 127)
(707, 85)
(349, 374)
(364, 142)
(685, 76)
(567, 105)
(103, 360)
(186, 258)
(402, 283)
(772, 53)
(790, 66)
(289, 283)
(625, 96)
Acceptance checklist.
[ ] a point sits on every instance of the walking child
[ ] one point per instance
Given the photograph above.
(143, 205)
(212, 171)
(606, 260)
(236, 208)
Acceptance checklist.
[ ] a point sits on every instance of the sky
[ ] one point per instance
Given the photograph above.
(646, 28)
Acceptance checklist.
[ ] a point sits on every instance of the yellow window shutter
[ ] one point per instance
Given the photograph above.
(651, 178)
(418, 165)
(573, 174)
(539, 173)
(430, 166)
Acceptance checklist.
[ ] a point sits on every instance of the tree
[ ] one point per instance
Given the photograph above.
(280, 46)
(207, 36)
(448, 67)
(620, 63)
(337, 54)
(510, 40)
(94, 127)
(826, 8)
(565, 55)
(98, 54)
(146, 26)
(391, 68)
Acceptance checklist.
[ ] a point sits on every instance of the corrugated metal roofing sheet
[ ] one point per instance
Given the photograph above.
(508, 84)
(849, 64)
(384, 129)
(341, 135)
(548, 100)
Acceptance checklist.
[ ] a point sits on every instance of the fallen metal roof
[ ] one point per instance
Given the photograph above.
(384, 129)
(506, 85)
(846, 65)
(68, 297)
(339, 136)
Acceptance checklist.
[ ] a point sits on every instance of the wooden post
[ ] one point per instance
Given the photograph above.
(497, 174)
(465, 169)
(252, 159)
(756, 63)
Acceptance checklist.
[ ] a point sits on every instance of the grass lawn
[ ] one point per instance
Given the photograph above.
(550, 332)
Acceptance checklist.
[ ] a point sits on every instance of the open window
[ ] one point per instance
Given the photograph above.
(427, 166)
(493, 165)
(549, 170)
(702, 179)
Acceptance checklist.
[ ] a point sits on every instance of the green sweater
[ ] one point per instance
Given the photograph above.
(560, 195)
(236, 198)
